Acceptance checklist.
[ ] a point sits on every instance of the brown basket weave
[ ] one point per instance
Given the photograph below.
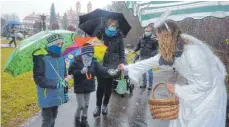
(164, 109)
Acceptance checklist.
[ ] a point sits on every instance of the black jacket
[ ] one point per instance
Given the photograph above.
(147, 46)
(81, 83)
(115, 53)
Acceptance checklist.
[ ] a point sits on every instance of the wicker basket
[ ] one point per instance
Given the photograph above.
(164, 109)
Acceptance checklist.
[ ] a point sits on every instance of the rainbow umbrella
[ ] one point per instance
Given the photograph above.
(99, 47)
(69, 57)
(70, 49)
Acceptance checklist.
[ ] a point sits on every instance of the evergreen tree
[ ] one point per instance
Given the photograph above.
(65, 21)
(53, 18)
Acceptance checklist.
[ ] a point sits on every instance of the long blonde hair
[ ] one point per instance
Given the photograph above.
(168, 37)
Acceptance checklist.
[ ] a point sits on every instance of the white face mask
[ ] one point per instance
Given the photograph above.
(87, 58)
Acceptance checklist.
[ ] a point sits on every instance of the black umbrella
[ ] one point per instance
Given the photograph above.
(96, 20)
(91, 27)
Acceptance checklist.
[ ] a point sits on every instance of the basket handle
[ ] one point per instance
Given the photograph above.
(173, 95)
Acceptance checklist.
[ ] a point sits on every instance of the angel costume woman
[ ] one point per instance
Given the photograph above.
(203, 100)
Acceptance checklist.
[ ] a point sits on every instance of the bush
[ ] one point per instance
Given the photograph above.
(227, 41)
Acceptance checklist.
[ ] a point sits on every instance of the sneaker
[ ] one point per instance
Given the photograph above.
(97, 111)
(143, 86)
(149, 87)
(77, 122)
(105, 110)
(84, 122)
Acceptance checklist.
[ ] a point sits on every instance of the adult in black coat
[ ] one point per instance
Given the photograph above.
(115, 54)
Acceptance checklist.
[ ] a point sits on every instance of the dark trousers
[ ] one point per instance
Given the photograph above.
(13, 40)
(104, 90)
(48, 116)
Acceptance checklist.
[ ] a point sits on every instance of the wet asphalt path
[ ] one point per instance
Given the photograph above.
(130, 111)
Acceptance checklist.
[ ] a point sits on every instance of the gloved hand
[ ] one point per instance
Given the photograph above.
(66, 98)
(112, 72)
(84, 70)
(61, 84)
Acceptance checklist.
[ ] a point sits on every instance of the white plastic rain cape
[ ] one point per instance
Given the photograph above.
(203, 100)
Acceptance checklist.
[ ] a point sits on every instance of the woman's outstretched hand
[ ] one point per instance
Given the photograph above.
(121, 67)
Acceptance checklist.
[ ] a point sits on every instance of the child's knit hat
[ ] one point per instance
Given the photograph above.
(87, 48)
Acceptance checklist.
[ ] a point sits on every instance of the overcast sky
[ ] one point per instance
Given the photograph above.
(26, 7)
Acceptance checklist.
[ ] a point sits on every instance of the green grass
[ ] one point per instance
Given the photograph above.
(18, 95)
(19, 100)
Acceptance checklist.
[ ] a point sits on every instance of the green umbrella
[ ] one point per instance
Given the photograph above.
(21, 59)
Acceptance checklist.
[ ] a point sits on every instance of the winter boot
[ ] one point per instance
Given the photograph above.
(84, 122)
(143, 86)
(77, 122)
(105, 110)
(97, 111)
(149, 87)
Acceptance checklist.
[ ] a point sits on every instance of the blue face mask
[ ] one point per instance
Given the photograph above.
(148, 34)
(55, 49)
(111, 31)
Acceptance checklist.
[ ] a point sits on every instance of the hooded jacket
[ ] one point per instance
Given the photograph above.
(46, 77)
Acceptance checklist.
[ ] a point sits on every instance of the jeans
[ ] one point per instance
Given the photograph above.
(48, 116)
(82, 104)
(104, 89)
(150, 72)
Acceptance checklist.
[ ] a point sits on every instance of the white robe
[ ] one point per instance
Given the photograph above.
(203, 101)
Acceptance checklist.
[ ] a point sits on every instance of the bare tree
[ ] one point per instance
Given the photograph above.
(8, 17)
